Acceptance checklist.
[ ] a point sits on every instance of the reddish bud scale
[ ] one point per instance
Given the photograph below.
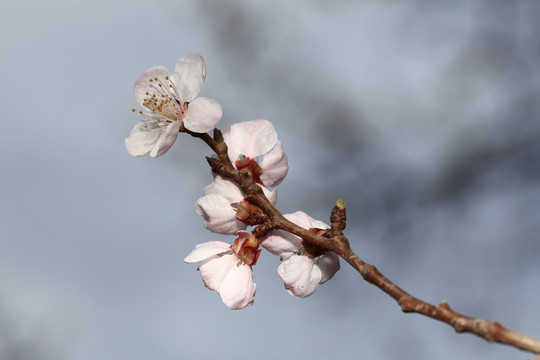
(250, 214)
(246, 249)
(252, 167)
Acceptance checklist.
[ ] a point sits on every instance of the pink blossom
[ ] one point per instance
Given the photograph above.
(220, 204)
(250, 140)
(226, 268)
(170, 103)
(308, 265)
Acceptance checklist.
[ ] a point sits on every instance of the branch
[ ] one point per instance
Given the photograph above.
(334, 240)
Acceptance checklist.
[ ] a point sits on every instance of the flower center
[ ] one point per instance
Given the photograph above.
(251, 166)
(163, 101)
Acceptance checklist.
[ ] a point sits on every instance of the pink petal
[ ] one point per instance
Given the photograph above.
(166, 139)
(238, 289)
(251, 138)
(304, 220)
(143, 138)
(202, 115)
(300, 276)
(218, 214)
(270, 195)
(188, 77)
(225, 188)
(205, 250)
(274, 166)
(215, 270)
(329, 265)
(281, 243)
(144, 85)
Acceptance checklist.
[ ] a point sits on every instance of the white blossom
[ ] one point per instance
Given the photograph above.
(170, 103)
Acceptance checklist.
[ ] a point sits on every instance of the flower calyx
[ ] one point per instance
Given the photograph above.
(249, 213)
(251, 166)
(246, 247)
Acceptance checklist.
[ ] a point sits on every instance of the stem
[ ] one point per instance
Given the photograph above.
(492, 331)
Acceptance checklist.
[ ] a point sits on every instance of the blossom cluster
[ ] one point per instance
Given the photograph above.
(171, 106)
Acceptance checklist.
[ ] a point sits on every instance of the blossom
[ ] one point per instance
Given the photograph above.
(249, 140)
(308, 265)
(170, 104)
(226, 269)
(224, 208)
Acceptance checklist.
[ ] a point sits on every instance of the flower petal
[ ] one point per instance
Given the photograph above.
(166, 139)
(251, 138)
(300, 276)
(151, 137)
(218, 214)
(305, 221)
(143, 138)
(238, 289)
(281, 243)
(270, 195)
(205, 250)
(274, 166)
(225, 188)
(215, 270)
(329, 265)
(144, 85)
(202, 115)
(188, 77)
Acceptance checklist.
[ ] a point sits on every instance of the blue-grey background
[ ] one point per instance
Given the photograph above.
(424, 116)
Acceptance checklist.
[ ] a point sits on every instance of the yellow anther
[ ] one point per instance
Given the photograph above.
(146, 126)
(133, 110)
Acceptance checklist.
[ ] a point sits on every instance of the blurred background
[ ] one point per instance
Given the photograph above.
(423, 116)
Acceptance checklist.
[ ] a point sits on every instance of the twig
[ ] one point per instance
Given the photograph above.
(335, 241)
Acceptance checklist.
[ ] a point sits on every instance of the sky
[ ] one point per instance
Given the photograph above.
(423, 116)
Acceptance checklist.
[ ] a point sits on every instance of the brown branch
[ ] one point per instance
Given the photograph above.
(335, 241)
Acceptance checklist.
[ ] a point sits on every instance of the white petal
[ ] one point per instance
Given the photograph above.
(225, 188)
(281, 243)
(304, 220)
(251, 138)
(215, 270)
(270, 195)
(218, 214)
(142, 138)
(208, 249)
(238, 289)
(188, 77)
(274, 166)
(202, 115)
(329, 265)
(144, 85)
(300, 276)
(166, 139)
